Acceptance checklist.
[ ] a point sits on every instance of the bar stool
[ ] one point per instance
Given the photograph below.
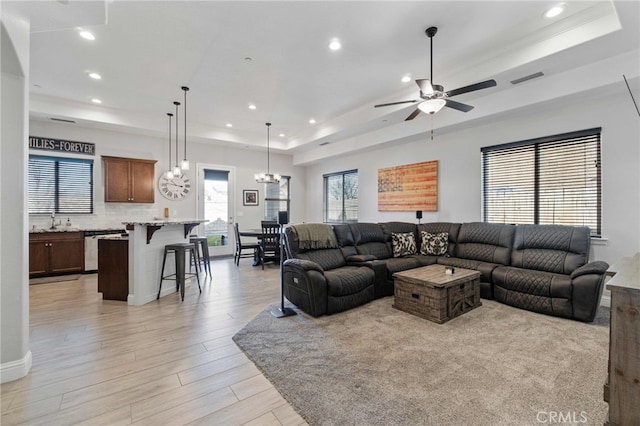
(179, 250)
(202, 255)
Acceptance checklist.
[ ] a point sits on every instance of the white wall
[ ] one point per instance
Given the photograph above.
(114, 143)
(458, 154)
(15, 356)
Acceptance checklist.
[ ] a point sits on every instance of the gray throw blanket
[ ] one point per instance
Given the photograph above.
(312, 236)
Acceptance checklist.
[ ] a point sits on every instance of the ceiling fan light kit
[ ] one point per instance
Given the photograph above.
(433, 96)
(431, 106)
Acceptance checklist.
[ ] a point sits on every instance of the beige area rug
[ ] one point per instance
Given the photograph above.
(375, 365)
(56, 279)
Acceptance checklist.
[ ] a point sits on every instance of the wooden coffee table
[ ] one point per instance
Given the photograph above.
(430, 293)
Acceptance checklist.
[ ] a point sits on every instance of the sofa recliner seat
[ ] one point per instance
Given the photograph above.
(549, 272)
(319, 280)
(482, 247)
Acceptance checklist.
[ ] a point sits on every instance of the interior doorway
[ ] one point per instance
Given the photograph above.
(215, 204)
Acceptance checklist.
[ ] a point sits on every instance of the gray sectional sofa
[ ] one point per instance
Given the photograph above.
(541, 268)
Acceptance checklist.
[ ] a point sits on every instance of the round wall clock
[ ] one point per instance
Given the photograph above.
(176, 188)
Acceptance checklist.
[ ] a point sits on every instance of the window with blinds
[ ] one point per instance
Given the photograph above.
(551, 180)
(277, 198)
(341, 197)
(60, 185)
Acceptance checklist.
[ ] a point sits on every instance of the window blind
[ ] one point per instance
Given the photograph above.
(60, 185)
(551, 180)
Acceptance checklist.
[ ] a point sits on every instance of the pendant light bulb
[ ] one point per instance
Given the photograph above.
(185, 164)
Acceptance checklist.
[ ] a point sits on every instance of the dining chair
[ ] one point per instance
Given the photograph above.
(253, 246)
(270, 242)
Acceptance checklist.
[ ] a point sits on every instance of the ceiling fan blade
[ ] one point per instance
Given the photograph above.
(425, 86)
(396, 103)
(413, 115)
(471, 88)
(458, 105)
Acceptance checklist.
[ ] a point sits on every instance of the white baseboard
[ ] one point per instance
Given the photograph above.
(605, 301)
(14, 370)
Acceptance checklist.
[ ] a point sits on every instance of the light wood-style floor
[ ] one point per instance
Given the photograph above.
(169, 362)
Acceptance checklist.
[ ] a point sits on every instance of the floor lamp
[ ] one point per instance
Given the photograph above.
(283, 219)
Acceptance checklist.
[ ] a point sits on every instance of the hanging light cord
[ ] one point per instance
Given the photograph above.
(177, 104)
(170, 115)
(186, 89)
(268, 170)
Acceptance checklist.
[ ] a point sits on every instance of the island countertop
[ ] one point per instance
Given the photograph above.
(153, 225)
(163, 222)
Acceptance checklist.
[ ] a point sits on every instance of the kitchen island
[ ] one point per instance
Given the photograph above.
(146, 249)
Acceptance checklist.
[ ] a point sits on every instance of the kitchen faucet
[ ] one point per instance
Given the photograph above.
(53, 221)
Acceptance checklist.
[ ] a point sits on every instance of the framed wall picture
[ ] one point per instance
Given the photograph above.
(250, 197)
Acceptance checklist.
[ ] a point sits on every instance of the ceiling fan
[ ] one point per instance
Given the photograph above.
(433, 97)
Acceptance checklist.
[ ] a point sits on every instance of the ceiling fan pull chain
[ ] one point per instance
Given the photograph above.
(431, 126)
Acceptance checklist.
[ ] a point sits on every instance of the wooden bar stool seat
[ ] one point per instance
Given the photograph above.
(179, 250)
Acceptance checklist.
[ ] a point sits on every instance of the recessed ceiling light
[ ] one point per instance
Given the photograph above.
(312, 121)
(252, 106)
(554, 11)
(282, 135)
(335, 44)
(229, 125)
(87, 35)
(406, 78)
(96, 101)
(95, 76)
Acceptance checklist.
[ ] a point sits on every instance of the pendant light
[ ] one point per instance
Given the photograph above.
(176, 169)
(185, 163)
(267, 177)
(169, 173)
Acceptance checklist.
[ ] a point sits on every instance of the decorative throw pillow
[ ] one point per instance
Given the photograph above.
(403, 244)
(434, 244)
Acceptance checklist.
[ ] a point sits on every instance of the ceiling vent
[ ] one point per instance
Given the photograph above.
(527, 77)
(62, 120)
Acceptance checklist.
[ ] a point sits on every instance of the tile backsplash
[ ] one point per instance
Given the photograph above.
(110, 215)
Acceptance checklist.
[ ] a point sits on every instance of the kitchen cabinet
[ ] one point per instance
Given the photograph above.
(113, 268)
(56, 253)
(128, 180)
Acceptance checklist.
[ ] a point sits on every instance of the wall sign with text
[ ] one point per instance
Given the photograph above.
(61, 145)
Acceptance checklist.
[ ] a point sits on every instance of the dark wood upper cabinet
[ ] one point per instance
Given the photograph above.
(128, 180)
